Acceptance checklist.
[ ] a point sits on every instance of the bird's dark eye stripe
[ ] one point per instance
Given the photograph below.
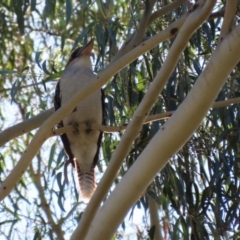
(76, 53)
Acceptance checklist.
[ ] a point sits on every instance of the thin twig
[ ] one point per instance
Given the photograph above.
(149, 119)
(56, 228)
(69, 214)
(137, 37)
(217, 14)
(166, 9)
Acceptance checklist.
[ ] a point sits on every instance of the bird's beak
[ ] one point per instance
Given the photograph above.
(87, 50)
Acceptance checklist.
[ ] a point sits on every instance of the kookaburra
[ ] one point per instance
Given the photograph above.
(82, 147)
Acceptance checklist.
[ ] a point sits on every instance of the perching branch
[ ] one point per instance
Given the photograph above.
(36, 121)
(33, 123)
(150, 118)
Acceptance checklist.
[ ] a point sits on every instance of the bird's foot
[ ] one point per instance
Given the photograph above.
(75, 126)
(88, 126)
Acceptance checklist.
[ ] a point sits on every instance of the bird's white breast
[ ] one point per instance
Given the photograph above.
(75, 79)
(83, 145)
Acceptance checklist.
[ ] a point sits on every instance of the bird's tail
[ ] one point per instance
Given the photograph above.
(87, 183)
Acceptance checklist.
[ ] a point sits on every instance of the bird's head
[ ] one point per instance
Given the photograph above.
(81, 56)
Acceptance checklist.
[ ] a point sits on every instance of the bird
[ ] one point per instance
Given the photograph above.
(81, 147)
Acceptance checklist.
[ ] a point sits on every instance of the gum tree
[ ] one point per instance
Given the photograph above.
(170, 73)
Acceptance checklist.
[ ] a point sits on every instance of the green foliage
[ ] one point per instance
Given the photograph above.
(198, 191)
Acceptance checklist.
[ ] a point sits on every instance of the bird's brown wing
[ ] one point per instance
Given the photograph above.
(95, 160)
(64, 138)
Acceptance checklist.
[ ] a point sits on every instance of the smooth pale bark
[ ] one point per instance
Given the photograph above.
(169, 139)
(34, 122)
(154, 218)
(24, 127)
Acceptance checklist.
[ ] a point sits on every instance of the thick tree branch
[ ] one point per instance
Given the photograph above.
(24, 127)
(169, 139)
(166, 9)
(193, 22)
(44, 204)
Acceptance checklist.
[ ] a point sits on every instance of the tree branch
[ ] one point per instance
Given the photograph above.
(166, 9)
(36, 121)
(44, 204)
(149, 119)
(153, 210)
(139, 34)
(136, 38)
(230, 11)
(24, 127)
(217, 14)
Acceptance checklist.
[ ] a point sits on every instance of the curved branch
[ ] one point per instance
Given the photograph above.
(137, 37)
(150, 118)
(24, 127)
(36, 121)
(44, 204)
(229, 15)
(153, 210)
(166, 9)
